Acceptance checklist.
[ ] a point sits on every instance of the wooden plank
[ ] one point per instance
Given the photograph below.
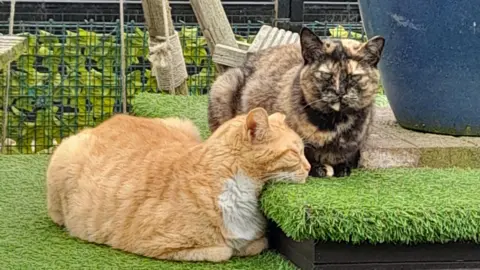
(214, 24)
(266, 38)
(269, 39)
(9, 42)
(295, 38)
(259, 38)
(243, 45)
(11, 47)
(228, 56)
(7, 38)
(286, 37)
(278, 38)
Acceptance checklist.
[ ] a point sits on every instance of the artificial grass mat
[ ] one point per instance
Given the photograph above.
(191, 107)
(393, 205)
(404, 206)
(30, 240)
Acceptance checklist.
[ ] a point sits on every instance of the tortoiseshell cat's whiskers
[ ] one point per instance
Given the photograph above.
(325, 87)
(312, 103)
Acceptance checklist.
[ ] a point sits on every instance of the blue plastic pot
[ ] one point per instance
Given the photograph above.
(431, 63)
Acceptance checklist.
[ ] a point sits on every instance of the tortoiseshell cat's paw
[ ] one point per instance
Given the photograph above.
(320, 170)
(342, 170)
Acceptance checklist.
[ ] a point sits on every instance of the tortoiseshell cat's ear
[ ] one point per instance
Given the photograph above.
(257, 124)
(312, 46)
(371, 50)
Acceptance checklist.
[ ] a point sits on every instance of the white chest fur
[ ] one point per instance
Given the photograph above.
(241, 215)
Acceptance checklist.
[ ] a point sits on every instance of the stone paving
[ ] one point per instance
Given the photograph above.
(391, 146)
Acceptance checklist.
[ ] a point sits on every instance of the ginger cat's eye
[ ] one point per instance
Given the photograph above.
(295, 151)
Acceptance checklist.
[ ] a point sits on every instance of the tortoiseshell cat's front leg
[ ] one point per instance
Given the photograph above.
(345, 169)
(318, 169)
(342, 170)
(321, 170)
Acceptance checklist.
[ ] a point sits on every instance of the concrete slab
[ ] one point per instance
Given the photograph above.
(391, 146)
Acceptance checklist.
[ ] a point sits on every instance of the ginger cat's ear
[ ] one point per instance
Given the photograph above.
(279, 117)
(257, 124)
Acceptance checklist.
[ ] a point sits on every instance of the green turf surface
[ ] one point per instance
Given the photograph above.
(392, 205)
(29, 240)
(191, 107)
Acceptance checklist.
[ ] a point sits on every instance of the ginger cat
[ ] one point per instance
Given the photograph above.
(152, 187)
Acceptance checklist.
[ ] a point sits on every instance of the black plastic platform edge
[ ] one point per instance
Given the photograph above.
(308, 255)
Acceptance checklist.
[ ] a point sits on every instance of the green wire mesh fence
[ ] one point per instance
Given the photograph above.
(69, 76)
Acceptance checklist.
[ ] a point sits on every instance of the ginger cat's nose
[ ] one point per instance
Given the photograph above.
(307, 165)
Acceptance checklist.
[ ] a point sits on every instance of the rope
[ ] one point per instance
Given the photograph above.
(166, 56)
(123, 60)
(7, 89)
(169, 50)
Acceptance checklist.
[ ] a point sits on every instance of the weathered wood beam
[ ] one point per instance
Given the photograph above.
(228, 56)
(266, 38)
(243, 45)
(11, 47)
(214, 24)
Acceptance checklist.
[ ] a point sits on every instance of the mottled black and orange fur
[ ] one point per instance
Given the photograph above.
(326, 88)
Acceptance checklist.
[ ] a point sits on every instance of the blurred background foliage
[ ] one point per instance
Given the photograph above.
(68, 78)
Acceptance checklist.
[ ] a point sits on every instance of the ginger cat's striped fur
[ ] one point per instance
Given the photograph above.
(152, 187)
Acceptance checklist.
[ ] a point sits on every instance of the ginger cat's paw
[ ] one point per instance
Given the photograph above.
(210, 254)
(254, 248)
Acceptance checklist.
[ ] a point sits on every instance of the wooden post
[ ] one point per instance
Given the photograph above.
(123, 63)
(214, 24)
(282, 14)
(296, 15)
(157, 24)
(17, 49)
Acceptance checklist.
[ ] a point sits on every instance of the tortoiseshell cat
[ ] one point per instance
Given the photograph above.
(326, 88)
(152, 187)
